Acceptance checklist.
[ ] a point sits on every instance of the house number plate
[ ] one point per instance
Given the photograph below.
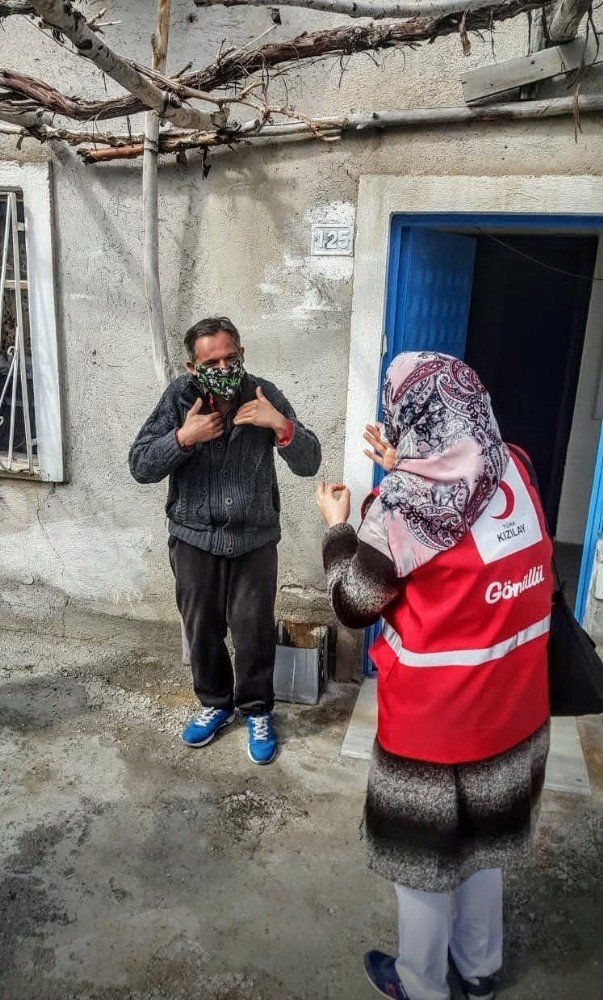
(332, 240)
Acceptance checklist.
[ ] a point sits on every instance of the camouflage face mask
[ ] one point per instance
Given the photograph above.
(222, 382)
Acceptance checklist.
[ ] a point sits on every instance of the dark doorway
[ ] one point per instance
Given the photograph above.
(525, 338)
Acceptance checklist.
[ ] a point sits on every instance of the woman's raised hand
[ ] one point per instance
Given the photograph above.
(382, 454)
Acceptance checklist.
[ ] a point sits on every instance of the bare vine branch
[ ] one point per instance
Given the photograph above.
(61, 15)
(34, 93)
(350, 39)
(229, 68)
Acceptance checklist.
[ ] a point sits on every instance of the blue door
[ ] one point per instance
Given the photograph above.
(429, 282)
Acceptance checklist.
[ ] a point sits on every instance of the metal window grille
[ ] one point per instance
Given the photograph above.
(18, 451)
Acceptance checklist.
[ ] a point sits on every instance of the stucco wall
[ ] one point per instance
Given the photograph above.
(236, 243)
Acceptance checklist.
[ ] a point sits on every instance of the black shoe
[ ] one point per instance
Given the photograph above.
(476, 988)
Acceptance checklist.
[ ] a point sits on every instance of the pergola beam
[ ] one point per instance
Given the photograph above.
(334, 127)
(365, 8)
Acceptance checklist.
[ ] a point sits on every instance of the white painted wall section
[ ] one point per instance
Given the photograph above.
(586, 425)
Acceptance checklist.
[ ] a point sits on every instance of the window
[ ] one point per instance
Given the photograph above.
(30, 418)
(18, 451)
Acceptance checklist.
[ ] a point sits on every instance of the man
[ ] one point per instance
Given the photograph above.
(213, 433)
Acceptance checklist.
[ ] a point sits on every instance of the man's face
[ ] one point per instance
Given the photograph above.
(218, 351)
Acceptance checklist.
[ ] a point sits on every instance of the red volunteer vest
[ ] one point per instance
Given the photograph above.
(462, 658)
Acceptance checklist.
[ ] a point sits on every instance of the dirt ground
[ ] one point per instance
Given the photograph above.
(135, 869)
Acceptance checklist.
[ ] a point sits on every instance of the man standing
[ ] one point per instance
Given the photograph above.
(213, 433)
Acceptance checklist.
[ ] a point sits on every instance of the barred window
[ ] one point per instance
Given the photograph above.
(30, 425)
(18, 450)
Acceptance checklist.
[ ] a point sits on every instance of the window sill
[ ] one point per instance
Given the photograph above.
(19, 469)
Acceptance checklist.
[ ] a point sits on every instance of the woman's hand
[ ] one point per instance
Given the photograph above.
(334, 509)
(383, 454)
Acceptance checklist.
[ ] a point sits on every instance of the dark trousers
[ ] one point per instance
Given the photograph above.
(214, 593)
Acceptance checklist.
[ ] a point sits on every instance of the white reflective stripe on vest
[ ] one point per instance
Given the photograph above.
(464, 657)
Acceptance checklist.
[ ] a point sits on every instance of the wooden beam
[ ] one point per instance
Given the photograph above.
(71, 23)
(34, 122)
(565, 20)
(335, 127)
(491, 81)
(11, 7)
(37, 127)
(367, 8)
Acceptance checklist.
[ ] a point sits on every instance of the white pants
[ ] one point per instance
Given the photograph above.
(468, 921)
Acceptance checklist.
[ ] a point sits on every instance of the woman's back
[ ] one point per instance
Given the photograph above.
(462, 667)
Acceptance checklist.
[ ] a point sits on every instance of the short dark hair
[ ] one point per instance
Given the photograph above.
(209, 328)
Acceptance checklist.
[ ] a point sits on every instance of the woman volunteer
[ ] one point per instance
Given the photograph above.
(453, 553)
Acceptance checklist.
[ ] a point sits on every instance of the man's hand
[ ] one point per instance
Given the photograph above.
(199, 426)
(261, 413)
(335, 510)
(383, 453)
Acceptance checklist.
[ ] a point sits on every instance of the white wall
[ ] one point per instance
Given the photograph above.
(584, 437)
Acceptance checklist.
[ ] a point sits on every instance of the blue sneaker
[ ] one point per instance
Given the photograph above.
(381, 973)
(476, 988)
(261, 747)
(202, 729)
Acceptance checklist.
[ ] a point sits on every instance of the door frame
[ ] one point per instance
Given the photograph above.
(534, 203)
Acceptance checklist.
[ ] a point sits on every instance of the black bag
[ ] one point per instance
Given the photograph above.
(575, 668)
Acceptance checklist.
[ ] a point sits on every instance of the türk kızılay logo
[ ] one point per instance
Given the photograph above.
(509, 523)
(499, 591)
(507, 492)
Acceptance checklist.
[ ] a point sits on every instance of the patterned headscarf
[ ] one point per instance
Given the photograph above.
(451, 458)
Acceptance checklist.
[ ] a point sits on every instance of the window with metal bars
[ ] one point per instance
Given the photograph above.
(18, 446)
(31, 437)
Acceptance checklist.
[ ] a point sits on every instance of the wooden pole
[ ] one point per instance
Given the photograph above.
(553, 26)
(565, 20)
(150, 208)
(150, 198)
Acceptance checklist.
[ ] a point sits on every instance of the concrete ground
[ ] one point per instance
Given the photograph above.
(135, 868)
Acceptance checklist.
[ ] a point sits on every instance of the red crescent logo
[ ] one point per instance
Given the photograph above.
(509, 502)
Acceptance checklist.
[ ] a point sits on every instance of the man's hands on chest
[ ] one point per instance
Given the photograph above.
(261, 413)
(199, 427)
